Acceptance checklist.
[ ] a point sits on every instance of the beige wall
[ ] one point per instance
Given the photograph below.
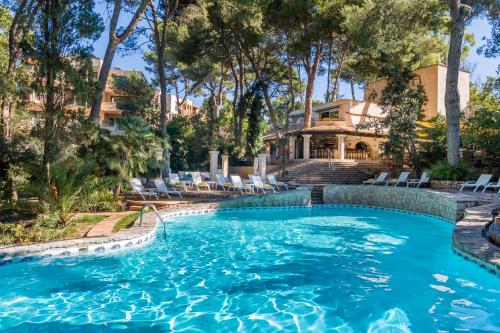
(433, 78)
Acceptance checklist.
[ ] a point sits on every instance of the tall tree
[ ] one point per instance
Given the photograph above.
(63, 36)
(21, 23)
(461, 11)
(116, 37)
(158, 15)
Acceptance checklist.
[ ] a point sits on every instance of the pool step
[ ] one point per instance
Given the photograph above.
(317, 195)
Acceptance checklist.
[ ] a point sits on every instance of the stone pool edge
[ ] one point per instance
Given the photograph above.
(140, 235)
(469, 214)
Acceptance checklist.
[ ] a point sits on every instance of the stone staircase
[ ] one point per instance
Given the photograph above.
(320, 172)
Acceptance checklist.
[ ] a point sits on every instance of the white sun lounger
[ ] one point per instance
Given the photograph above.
(222, 182)
(259, 184)
(380, 180)
(273, 182)
(175, 182)
(424, 179)
(198, 182)
(493, 185)
(482, 181)
(402, 179)
(137, 186)
(238, 184)
(161, 187)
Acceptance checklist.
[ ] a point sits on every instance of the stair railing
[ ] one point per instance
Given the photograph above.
(157, 214)
(331, 164)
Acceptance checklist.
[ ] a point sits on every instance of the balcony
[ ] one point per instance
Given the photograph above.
(110, 107)
(112, 128)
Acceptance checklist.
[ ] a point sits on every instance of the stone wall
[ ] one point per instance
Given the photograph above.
(409, 199)
(299, 197)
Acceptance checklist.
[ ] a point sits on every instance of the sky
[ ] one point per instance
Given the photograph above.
(480, 66)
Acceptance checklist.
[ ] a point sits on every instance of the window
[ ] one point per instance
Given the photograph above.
(330, 115)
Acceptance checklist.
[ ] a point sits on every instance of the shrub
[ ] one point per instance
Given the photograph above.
(442, 171)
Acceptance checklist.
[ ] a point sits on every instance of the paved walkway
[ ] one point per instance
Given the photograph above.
(105, 227)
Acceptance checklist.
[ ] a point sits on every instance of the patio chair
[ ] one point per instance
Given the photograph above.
(137, 186)
(161, 187)
(380, 180)
(176, 183)
(273, 182)
(221, 181)
(198, 182)
(259, 184)
(238, 185)
(424, 179)
(482, 181)
(493, 185)
(402, 179)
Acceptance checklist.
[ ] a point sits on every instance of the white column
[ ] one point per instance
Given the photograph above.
(262, 166)
(291, 147)
(225, 165)
(341, 145)
(307, 145)
(214, 161)
(255, 164)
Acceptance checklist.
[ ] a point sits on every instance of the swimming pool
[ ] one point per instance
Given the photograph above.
(340, 269)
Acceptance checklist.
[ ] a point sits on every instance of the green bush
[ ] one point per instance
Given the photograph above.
(442, 171)
(100, 200)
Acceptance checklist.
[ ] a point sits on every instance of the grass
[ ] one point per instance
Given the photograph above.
(126, 221)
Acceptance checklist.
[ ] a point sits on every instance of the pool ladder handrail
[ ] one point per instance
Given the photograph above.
(157, 214)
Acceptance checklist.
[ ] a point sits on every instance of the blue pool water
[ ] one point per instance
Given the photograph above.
(334, 269)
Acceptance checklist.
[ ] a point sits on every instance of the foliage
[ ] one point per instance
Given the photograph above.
(432, 147)
(67, 188)
(482, 124)
(256, 125)
(189, 138)
(401, 105)
(44, 229)
(130, 154)
(442, 171)
(138, 97)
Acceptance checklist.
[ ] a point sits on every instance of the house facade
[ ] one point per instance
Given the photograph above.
(110, 111)
(334, 132)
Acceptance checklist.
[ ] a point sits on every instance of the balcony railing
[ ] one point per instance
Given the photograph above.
(356, 154)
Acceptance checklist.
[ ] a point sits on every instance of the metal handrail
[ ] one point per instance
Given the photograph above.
(157, 214)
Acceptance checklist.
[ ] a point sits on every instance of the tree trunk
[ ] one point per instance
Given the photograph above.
(459, 14)
(329, 68)
(311, 76)
(95, 111)
(352, 90)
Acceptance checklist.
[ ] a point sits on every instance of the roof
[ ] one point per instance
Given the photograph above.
(330, 128)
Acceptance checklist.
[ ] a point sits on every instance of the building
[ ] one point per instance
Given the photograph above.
(109, 109)
(334, 133)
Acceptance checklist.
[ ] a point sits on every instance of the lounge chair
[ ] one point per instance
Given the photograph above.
(259, 184)
(380, 180)
(238, 184)
(424, 179)
(175, 182)
(161, 187)
(273, 182)
(198, 182)
(482, 181)
(137, 186)
(221, 181)
(402, 179)
(493, 185)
